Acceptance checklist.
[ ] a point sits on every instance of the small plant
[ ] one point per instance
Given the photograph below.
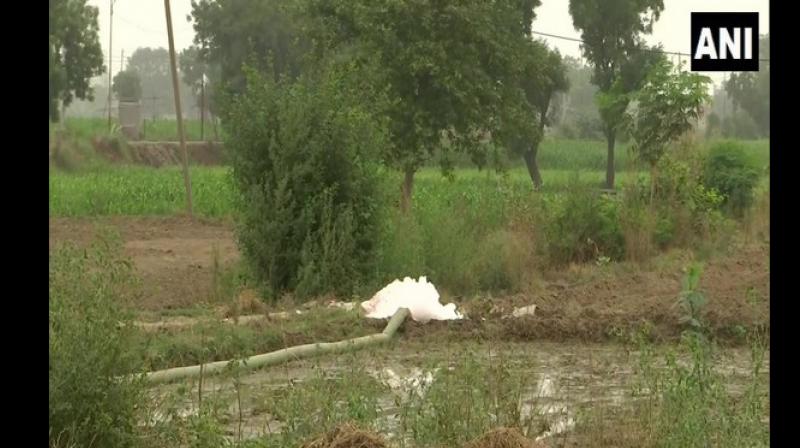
(691, 300)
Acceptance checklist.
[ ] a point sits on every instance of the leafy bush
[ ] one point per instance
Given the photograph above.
(301, 155)
(90, 402)
(731, 171)
(582, 226)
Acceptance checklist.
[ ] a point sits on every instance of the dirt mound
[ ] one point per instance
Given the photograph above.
(503, 438)
(347, 436)
(158, 154)
(110, 149)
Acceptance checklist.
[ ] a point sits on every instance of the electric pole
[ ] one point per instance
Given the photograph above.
(110, 56)
(176, 91)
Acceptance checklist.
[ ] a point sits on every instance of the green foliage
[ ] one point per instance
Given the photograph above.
(463, 402)
(263, 34)
(127, 86)
(583, 225)
(611, 32)
(668, 105)
(690, 405)
(612, 42)
(449, 69)
(75, 53)
(324, 401)
(681, 212)
(91, 402)
(731, 171)
(140, 191)
(302, 156)
(544, 75)
(750, 90)
(691, 300)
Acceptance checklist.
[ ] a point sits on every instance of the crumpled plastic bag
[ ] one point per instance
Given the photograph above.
(419, 296)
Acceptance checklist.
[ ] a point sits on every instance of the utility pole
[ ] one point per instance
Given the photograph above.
(202, 105)
(122, 60)
(110, 56)
(176, 92)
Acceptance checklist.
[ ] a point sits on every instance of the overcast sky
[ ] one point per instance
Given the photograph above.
(141, 23)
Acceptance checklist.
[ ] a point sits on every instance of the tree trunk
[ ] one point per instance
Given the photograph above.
(407, 189)
(610, 139)
(533, 168)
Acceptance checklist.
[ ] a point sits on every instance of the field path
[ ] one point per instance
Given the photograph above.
(174, 256)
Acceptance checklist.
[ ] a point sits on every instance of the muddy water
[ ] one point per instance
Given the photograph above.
(562, 380)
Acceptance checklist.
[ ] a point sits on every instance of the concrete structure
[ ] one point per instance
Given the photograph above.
(130, 119)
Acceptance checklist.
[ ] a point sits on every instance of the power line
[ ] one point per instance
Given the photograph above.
(655, 50)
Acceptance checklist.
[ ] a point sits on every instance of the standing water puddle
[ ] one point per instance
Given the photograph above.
(561, 380)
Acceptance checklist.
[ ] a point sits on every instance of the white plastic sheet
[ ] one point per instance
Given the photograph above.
(419, 296)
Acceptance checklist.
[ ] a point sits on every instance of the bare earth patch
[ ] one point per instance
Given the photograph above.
(174, 256)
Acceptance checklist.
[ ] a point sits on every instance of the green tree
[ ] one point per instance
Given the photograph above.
(750, 90)
(450, 70)
(153, 67)
(302, 155)
(545, 75)
(667, 106)
(611, 31)
(75, 52)
(127, 86)
(263, 34)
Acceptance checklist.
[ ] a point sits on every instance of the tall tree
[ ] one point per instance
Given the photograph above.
(153, 67)
(750, 90)
(449, 68)
(668, 105)
(75, 52)
(612, 31)
(127, 86)
(260, 33)
(544, 75)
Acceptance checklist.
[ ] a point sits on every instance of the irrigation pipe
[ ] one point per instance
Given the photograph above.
(280, 356)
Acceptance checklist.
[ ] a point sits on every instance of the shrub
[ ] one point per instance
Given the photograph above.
(731, 171)
(89, 350)
(637, 222)
(301, 155)
(582, 226)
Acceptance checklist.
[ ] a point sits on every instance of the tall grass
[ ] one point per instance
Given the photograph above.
(90, 347)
